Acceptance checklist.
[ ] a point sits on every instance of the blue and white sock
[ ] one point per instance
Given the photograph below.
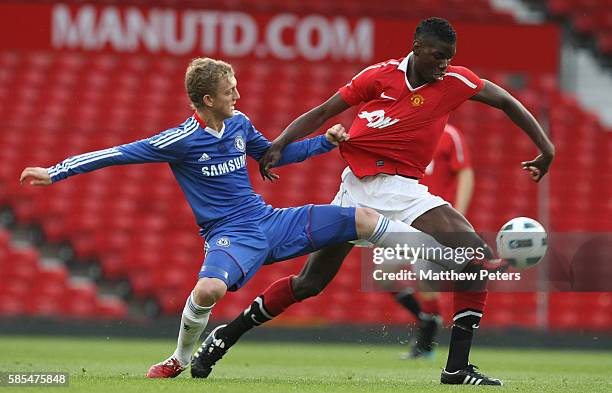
(391, 233)
(379, 231)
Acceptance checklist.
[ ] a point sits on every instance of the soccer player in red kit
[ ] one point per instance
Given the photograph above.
(406, 104)
(449, 175)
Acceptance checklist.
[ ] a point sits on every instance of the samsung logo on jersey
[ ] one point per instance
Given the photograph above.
(226, 167)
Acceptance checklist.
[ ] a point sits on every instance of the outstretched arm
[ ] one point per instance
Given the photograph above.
(74, 165)
(165, 147)
(298, 151)
(499, 98)
(299, 128)
(311, 120)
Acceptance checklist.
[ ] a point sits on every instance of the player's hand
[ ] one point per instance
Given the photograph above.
(538, 167)
(336, 134)
(269, 159)
(35, 176)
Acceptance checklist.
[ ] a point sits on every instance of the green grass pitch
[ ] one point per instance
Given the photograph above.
(119, 365)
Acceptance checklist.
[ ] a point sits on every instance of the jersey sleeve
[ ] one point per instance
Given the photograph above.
(257, 144)
(299, 151)
(463, 85)
(169, 146)
(362, 87)
(459, 153)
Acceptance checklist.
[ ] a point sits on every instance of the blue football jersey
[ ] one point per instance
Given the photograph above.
(209, 166)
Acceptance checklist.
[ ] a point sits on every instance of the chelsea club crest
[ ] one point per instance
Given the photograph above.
(223, 242)
(239, 144)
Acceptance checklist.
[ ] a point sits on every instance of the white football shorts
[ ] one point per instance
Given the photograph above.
(396, 197)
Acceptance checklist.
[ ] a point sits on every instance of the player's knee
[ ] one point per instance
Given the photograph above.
(365, 221)
(208, 291)
(467, 239)
(305, 288)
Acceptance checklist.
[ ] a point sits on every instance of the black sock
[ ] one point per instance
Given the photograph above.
(253, 316)
(461, 339)
(409, 302)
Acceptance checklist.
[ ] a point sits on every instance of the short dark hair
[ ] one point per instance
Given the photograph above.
(437, 28)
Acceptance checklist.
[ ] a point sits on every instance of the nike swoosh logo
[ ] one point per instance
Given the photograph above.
(475, 326)
(383, 95)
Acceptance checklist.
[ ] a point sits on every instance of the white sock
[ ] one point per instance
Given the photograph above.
(379, 231)
(390, 233)
(193, 323)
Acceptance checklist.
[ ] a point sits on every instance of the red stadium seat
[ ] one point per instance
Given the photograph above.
(11, 306)
(111, 308)
(27, 287)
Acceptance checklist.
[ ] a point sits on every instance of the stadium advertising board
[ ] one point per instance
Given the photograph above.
(281, 36)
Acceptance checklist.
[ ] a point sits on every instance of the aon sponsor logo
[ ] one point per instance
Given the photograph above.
(377, 119)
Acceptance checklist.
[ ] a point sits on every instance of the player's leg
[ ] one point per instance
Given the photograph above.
(451, 228)
(425, 306)
(194, 319)
(232, 256)
(318, 271)
(195, 315)
(437, 223)
(422, 302)
(429, 325)
(323, 265)
(329, 227)
(320, 268)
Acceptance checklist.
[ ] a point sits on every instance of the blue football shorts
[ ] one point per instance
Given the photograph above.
(234, 252)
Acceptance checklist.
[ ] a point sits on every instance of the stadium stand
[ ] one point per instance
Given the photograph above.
(32, 289)
(135, 223)
(588, 17)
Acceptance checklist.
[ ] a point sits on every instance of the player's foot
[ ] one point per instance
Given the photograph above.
(468, 376)
(423, 345)
(169, 368)
(209, 353)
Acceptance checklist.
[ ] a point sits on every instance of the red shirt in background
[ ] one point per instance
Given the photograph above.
(449, 158)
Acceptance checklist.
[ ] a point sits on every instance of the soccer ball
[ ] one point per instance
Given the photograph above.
(522, 242)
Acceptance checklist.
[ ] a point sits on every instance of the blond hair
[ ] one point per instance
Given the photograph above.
(202, 78)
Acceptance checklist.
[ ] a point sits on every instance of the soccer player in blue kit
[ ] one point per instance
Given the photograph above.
(207, 155)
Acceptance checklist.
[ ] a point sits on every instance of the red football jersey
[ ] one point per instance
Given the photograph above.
(450, 157)
(398, 127)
